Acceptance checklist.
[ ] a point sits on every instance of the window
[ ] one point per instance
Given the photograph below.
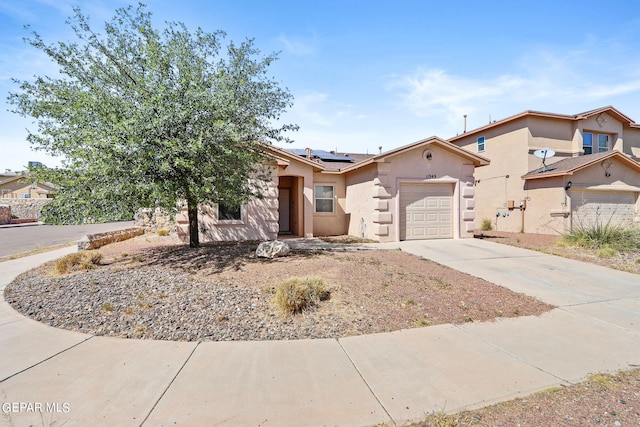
(603, 143)
(229, 212)
(481, 144)
(587, 143)
(324, 198)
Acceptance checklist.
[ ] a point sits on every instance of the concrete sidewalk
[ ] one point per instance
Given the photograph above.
(391, 377)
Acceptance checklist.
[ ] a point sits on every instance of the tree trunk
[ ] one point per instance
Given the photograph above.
(194, 237)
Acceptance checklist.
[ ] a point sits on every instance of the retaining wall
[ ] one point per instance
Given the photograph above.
(26, 208)
(94, 241)
(5, 214)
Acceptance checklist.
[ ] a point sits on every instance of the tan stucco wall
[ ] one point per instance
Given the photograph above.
(632, 142)
(260, 216)
(508, 153)
(549, 206)
(510, 148)
(622, 179)
(259, 219)
(335, 223)
(305, 172)
(373, 193)
(15, 189)
(606, 124)
(547, 209)
(360, 202)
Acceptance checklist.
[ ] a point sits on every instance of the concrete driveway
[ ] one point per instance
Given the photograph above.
(25, 238)
(552, 279)
(362, 380)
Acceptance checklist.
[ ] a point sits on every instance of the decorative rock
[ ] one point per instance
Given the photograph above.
(272, 249)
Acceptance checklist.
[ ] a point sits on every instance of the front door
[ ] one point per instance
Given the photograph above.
(284, 199)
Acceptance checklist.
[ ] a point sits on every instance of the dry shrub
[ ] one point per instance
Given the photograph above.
(295, 294)
(78, 261)
(162, 232)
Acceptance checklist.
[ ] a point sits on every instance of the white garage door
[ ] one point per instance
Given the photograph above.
(600, 207)
(426, 211)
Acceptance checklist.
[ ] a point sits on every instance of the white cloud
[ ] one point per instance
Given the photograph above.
(297, 46)
(318, 109)
(573, 80)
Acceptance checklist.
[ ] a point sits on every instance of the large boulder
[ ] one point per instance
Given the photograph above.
(275, 248)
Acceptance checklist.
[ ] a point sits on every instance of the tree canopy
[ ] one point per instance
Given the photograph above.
(144, 117)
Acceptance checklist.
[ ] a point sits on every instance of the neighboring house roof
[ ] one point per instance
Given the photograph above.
(15, 178)
(531, 113)
(571, 165)
(26, 178)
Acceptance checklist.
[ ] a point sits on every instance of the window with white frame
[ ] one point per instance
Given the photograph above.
(481, 144)
(595, 143)
(324, 198)
(229, 212)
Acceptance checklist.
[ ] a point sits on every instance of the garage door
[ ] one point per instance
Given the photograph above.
(600, 207)
(426, 211)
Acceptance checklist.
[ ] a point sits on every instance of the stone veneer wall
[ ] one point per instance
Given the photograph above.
(154, 219)
(5, 214)
(26, 208)
(95, 241)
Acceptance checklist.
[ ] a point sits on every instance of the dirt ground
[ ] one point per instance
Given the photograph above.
(625, 261)
(376, 291)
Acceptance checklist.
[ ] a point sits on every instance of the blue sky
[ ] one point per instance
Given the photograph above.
(372, 73)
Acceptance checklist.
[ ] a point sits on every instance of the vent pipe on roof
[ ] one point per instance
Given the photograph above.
(465, 124)
(380, 149)
(308, 150)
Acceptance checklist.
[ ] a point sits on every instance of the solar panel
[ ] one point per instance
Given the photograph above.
(325, 155)
(321, 154)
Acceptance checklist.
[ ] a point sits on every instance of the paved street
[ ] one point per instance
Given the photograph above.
(25, 238)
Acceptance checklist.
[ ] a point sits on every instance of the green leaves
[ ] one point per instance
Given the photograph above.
(153, 116)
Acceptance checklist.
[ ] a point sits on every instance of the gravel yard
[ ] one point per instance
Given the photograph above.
(149, 287)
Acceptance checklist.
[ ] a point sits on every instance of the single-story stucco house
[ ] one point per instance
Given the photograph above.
(424, 190)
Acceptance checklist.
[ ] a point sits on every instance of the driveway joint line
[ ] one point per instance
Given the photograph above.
(153, 408)
(46, 359)
(375, 396)
(604, 322)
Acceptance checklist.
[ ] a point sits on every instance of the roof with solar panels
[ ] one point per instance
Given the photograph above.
(330, 159)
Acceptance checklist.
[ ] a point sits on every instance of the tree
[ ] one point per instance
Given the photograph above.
(144, 117)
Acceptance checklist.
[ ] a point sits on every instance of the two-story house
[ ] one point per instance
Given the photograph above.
(550, 172)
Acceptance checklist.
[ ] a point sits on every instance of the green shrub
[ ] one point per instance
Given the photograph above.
(486, 225)
(603, 234)
(295, 294)
(606, 251)
(77, 262)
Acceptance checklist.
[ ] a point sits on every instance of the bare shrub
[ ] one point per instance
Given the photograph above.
(296, 294)
(78, 261)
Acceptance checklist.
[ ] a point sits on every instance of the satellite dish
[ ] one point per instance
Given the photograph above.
(544, 153)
